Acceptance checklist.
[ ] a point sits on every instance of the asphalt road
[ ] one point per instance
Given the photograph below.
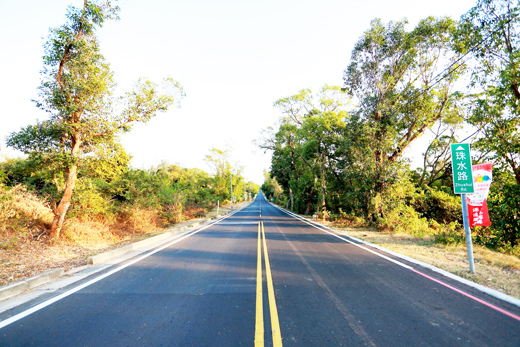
(213, 288)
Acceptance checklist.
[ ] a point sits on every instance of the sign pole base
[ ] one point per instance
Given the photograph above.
(467, 228)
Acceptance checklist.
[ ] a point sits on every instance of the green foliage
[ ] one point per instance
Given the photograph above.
(346, 159)
(89, 202)
(448, 233)
(388, 71)
(504, 209)
(84, 118)
(304, 145)
(113, 189)
(271, 189)
(225, 174)
(34, 175)
(492, 29)
(437, 205)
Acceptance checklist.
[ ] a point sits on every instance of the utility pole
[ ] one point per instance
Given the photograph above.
(231, 192)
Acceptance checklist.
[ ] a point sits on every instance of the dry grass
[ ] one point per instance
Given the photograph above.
(26, 250)
(24, 254)
(493, 269)
(17, 204)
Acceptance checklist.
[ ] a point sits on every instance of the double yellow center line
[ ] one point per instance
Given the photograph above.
(275, 324)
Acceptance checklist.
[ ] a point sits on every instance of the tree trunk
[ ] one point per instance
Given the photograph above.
(308, 210)
(515, 90)
(59, 214)
(70, 182)
(292, 199)
(323, 190)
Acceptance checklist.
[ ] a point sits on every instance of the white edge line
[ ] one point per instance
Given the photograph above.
(44, 304)
(495, 293)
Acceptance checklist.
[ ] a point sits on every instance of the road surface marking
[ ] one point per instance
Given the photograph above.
(483, 302)
(351, 320)
(259, 328)
(44, 304)
(507, 313)
(233, 223)
(275, 324)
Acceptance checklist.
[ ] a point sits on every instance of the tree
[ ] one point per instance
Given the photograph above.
(491, 30)
(224, 173)
(403, 83)
(396, 77)
(271, 188)
(304, 142)
(76, 90)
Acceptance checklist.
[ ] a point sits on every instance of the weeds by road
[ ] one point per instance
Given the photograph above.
(23, 253)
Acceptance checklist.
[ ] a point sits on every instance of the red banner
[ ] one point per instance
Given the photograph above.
(477, 203)
(478, 215)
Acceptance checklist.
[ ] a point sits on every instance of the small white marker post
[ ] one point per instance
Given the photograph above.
(463, 184)
(218, 205)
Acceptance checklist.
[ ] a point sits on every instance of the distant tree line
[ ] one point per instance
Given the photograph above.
(338, 152)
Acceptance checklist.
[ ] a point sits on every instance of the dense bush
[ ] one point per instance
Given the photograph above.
(438, 205)
(169, 192)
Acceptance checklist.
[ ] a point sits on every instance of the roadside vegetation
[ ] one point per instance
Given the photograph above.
(75, 193)
(338, 152)
(105, 212)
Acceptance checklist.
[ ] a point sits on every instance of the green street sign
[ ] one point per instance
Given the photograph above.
(461, 168)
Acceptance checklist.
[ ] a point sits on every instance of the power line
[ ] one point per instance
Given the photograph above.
(472, 51)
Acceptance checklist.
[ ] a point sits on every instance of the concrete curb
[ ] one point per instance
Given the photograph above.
(99, 258)
(16, 288)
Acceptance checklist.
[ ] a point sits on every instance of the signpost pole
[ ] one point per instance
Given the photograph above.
(467, 228)
(463, 184)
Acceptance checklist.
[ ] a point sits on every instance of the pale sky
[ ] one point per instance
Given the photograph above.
(234, 59)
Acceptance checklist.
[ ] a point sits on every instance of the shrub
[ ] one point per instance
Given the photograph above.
(504, 210)
(439, 206)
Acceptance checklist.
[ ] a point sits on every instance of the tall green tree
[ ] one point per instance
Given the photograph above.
(395, 76)
(491, 30)
(271, 188)
(304, 143)
(403, 82)
(225, 173)
(76, 90)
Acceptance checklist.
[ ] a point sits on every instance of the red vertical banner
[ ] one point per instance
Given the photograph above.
(477, 204)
